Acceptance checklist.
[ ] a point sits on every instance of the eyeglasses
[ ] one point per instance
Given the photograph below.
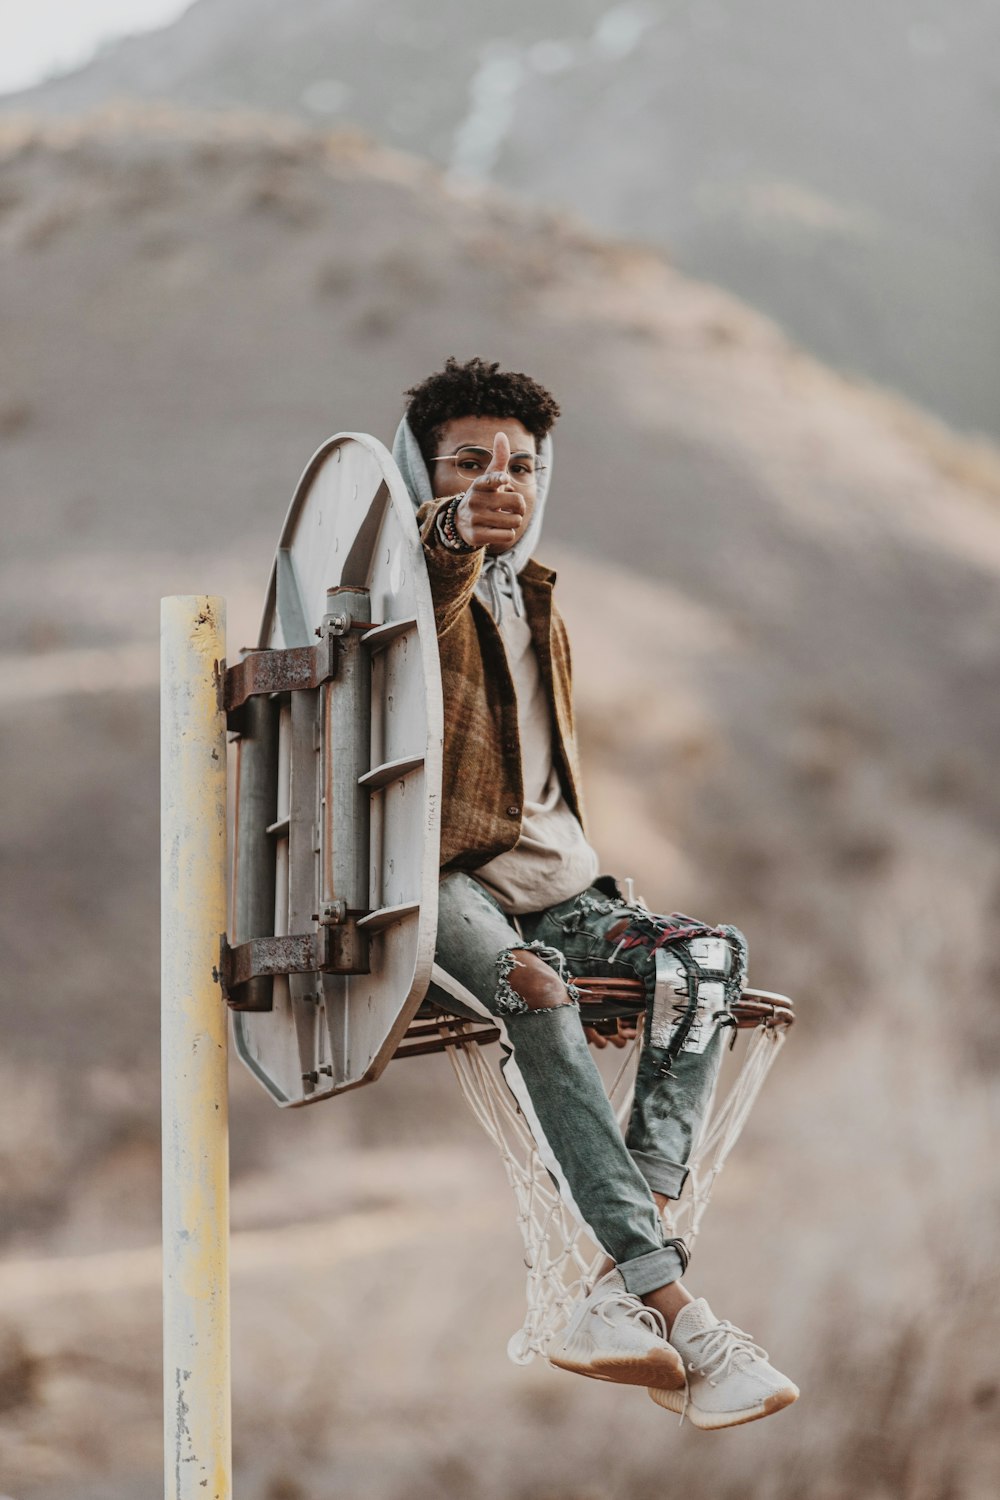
(471, 461)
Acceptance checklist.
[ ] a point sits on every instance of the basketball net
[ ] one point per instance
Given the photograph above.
(562, 1261)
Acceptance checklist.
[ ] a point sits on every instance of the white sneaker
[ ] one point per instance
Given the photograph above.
(729, 1378)
(612, 1335)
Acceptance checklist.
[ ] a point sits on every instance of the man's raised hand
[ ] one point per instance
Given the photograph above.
(491, 510)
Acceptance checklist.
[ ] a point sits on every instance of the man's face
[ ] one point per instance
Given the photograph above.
(451, 476)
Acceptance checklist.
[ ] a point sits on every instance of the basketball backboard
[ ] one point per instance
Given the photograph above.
(339, 716)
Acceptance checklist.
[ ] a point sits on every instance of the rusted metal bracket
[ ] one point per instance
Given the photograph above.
(332, 949)
(300, 953)
(298, 669)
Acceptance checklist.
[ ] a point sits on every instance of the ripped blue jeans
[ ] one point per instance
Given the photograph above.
(606, 1180)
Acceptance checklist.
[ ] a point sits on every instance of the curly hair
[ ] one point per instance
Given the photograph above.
(477, 389)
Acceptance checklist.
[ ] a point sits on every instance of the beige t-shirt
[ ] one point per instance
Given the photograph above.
(551, 860)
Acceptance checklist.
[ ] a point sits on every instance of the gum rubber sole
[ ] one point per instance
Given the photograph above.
(658, 1374)
(715, 1421)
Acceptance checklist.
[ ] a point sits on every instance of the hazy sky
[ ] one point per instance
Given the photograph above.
(50, 36)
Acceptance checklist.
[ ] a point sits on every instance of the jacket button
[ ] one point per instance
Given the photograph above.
(513, 812)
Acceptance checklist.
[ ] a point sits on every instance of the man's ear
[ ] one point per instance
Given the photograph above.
(430, 447)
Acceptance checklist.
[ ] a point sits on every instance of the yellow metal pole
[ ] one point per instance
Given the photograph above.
(194, 1044)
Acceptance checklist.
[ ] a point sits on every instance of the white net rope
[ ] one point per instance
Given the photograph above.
(561, 1259)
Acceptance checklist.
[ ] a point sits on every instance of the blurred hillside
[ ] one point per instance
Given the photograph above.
(782, 588)
(833, 164)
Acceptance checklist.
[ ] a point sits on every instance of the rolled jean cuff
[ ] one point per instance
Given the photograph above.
(646, 1272)
(663, 1176)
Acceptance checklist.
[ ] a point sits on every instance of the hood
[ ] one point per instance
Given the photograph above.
(498, 579)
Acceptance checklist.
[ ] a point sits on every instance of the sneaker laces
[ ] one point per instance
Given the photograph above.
(722, 1349)
(635, 1311)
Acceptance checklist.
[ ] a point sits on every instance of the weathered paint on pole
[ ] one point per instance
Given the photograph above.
(194, 1043)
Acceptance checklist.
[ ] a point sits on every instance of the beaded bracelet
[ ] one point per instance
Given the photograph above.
(447, 530)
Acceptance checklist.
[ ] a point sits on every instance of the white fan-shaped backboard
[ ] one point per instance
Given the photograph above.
(352, 523)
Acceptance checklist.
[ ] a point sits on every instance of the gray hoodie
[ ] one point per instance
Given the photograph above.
(498, 579)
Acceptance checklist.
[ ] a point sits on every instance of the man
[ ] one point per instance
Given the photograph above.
(522, 906)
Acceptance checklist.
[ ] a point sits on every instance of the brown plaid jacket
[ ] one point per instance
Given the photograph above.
(483, 793)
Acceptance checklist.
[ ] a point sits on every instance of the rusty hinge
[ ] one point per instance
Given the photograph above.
(299, 953)
(294, 670)
(337, 947)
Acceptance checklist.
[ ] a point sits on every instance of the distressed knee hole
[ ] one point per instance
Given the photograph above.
(532, 978)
